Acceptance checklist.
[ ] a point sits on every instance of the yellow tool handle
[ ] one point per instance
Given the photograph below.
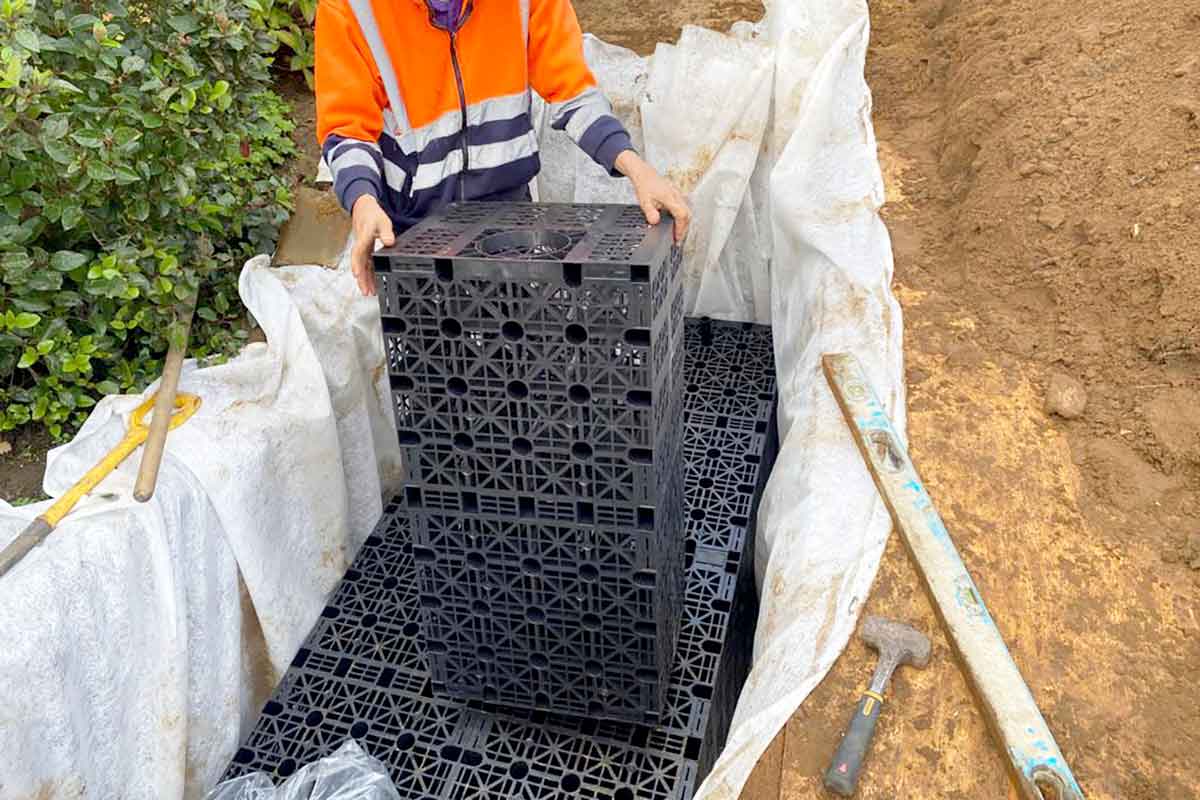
(37, 531)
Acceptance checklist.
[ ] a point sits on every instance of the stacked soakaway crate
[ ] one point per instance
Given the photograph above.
(536, 355)
(367, 670)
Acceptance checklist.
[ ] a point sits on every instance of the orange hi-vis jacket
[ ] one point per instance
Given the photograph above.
(418, 117)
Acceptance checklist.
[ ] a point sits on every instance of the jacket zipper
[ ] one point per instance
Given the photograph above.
(462, 104)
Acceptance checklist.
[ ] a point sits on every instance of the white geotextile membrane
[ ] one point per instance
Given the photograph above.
(138, 640)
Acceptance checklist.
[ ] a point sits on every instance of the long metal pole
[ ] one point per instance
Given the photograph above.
(1038, 766)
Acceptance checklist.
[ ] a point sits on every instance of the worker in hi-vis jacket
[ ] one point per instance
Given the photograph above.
(421, 103)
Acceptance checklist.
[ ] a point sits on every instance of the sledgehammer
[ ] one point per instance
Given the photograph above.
(897, 644)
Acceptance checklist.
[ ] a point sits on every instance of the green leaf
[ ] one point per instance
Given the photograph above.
(124, 135)
(206, 313)
(25, 321)
(184, 23)
(99, 32)
(28, 39)
(28, 358)
(45, 347)
(131, 64)
(58, 152)
(54, 127)
(89, 139)
(151, 120)
(219, 90)
(99, 171)
(108, 387)
(71, 217)
(67, 260)
(126, 176)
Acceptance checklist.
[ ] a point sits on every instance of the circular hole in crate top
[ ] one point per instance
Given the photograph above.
(286, 767)
(593, 668)
(244, 756)
(518, 390)
(370, 620)
(456, 386)
(729, 392)
(579, 394)
(581, 450)
(519, 770)
(576, 334)
(476, 560)
(526, 245)
(451, 327)
(463, 441)
(692, 388)
(538, 661)
(531, 566)
(451, 752)
(405, 741)
(273, 708)
(624, 793)
(589, 572)
(735, 368)
(359, 730)
(314, 719)
(591, 621)
(697, 514)
(391, 582)
(485, 653)
(411, 629)
(535, 615)
(706, 483)
(512, 330)
(522, 446)
(570, 782)
(403, 383)
(714, 452)
(481, 607)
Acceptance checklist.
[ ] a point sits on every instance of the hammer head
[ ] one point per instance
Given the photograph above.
(909, 645)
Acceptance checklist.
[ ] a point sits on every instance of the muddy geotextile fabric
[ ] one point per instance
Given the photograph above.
(133, 656)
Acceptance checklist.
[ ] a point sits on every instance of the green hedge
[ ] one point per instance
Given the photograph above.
(142, 161)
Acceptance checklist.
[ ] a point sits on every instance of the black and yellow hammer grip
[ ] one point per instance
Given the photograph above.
(842, 776)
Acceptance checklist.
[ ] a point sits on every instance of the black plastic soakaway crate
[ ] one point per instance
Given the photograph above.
(362, 671)
(536, 361)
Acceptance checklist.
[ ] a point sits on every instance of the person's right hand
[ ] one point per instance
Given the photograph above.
(370, 222)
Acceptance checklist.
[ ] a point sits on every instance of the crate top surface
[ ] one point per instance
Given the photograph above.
(536, 232)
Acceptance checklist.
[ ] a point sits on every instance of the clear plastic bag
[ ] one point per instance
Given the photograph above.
(348, 774)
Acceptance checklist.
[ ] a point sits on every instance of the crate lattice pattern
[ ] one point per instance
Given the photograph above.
(536, 360)
(362, 673)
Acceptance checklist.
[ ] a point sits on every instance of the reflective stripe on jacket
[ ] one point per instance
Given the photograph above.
(393, 93)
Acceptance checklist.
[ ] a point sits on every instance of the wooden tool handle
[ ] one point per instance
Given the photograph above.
(164, 406)
(26, 540)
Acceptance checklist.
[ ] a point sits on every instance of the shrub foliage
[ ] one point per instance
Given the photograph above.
(141, 164)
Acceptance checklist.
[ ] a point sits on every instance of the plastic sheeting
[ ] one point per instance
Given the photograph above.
(348, 773)
(132, 655)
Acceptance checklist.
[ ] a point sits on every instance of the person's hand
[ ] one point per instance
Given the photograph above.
(655, 193)
(370, 222)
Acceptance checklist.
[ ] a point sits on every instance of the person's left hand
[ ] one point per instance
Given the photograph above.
(655, 193)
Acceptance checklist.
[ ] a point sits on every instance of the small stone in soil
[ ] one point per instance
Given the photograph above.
(1065, 396)
(1191, 551)
(1052, 216)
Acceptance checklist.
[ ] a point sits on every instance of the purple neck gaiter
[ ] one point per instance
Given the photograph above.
(446, 14)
